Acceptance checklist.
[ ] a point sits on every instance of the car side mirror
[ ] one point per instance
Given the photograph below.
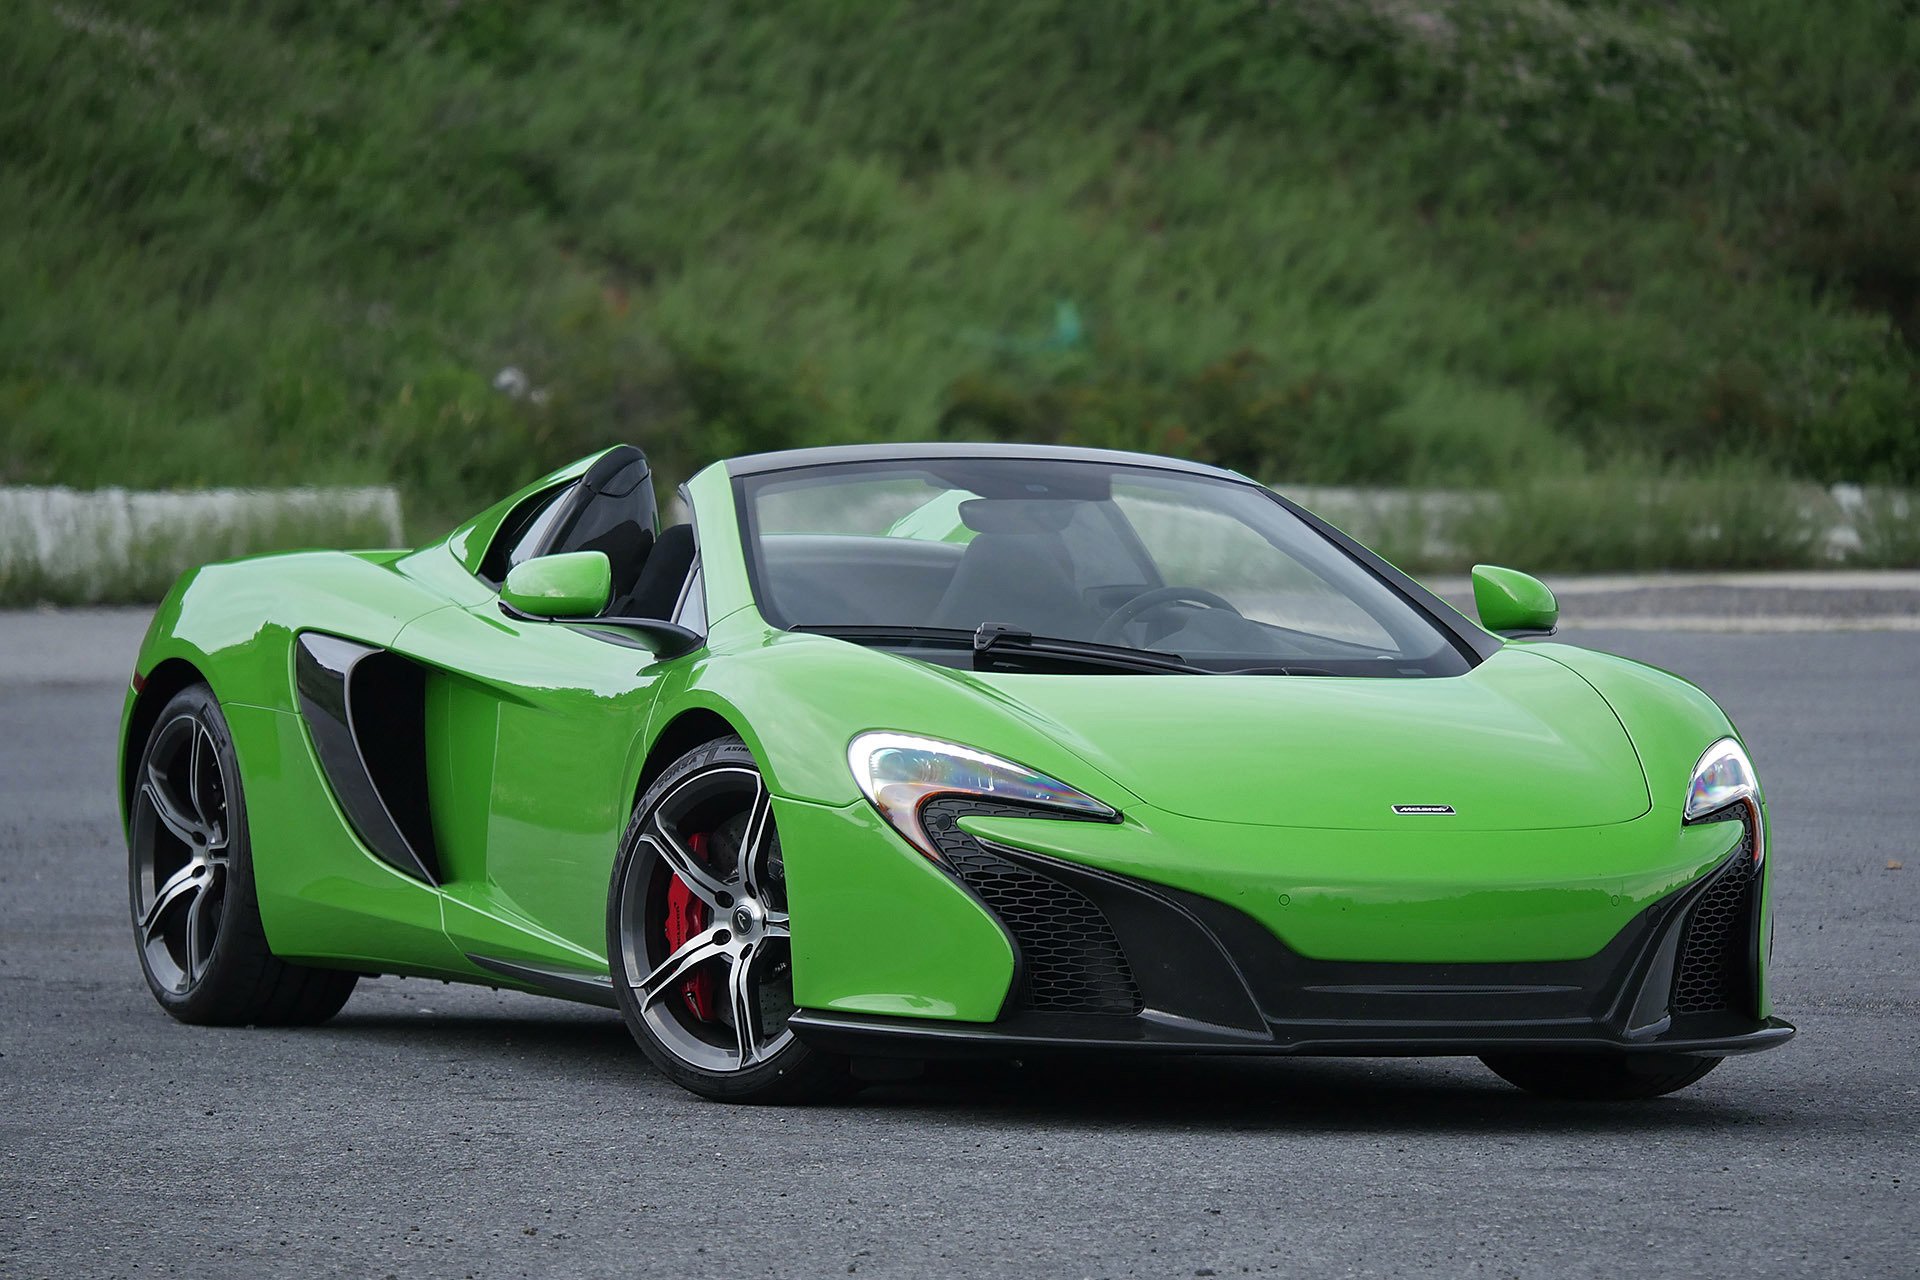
(1512, 603)
(574, 584)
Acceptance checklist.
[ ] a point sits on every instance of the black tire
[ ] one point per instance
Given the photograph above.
(202, 949)
(706, 823)
(1600, 1077)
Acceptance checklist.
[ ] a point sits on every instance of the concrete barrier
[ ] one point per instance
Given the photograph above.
(75, 546)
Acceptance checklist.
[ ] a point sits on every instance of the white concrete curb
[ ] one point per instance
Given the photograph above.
(94, 543)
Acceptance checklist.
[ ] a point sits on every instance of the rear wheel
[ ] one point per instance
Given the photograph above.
(196, 924)
(1600, 1077)
(698, 933)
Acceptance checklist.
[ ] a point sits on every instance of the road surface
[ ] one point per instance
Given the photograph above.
(437, 1130)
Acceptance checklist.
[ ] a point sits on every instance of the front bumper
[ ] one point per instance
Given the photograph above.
(1113, 962)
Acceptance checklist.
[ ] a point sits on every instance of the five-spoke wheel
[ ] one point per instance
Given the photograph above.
(700, 938)
(179, 849)
(196, 923)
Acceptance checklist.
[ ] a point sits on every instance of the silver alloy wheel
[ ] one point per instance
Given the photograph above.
(180, 842)
(740, 886)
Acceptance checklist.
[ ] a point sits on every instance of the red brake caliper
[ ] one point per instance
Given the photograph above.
(687, 918)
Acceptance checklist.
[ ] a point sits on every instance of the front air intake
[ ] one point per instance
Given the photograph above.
(1715, 972)
(1072, 960)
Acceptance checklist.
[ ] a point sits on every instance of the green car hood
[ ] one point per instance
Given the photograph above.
(1520, 742)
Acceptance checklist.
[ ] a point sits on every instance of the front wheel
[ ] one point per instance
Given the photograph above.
(699, 938)
(1600, 1077)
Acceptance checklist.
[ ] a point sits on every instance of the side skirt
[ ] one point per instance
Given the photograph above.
(568, 984)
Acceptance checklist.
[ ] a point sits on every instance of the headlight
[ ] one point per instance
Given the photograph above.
(899, 772)
(1723, 776)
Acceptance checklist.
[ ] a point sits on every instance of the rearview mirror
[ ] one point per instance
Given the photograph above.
(575, 584)
(1513, 603)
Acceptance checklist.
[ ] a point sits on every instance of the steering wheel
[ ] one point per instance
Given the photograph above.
(1158, 598)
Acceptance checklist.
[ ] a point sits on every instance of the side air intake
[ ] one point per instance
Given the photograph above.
(365, 708)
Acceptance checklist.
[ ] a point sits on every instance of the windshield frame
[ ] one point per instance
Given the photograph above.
(1472, 644)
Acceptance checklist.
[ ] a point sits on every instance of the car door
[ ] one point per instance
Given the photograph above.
(532, 729)
(533, 733)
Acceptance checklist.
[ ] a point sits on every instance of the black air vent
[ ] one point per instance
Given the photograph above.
(365, 708)
(1073, 961)
(1715, 973)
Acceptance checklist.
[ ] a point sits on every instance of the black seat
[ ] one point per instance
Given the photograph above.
(1019, 579)
(662, 577)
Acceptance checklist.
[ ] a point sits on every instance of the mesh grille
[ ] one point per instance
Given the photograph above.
(1073, 961)
(1714, 971)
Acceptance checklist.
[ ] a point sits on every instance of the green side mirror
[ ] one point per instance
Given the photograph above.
(1513, 603)
(576, 584)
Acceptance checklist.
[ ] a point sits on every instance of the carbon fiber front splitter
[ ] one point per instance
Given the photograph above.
(871, 1035)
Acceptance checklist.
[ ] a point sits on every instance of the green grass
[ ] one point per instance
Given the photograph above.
(1337, 241)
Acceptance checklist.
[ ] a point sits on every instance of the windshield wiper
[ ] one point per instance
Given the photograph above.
(990, 637)
(995, 642)
(991, 640)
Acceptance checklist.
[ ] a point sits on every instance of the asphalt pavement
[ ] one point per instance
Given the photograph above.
(440, 1130)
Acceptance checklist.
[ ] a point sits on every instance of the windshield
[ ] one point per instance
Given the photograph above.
(1214, 572)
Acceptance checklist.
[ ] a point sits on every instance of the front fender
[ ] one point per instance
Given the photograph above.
(1671, 723)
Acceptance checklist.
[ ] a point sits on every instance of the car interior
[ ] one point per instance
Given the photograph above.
(1069, 568)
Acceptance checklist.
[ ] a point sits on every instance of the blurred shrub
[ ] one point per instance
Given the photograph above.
(1861, 234)
(1731, 516)
(1888, 522)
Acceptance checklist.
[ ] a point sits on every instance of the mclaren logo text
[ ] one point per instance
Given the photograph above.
(1405, 809)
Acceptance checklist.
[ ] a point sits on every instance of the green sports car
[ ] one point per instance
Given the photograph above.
(900, 751)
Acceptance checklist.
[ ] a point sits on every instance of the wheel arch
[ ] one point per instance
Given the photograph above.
(168, 677)
(691, 727)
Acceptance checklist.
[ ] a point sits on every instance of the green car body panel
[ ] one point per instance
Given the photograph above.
(1566, 772)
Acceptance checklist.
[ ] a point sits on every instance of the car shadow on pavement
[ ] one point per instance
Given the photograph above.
(588, 1043)
(1332, 1095)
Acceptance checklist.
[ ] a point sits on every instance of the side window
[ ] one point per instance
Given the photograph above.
(523, 529)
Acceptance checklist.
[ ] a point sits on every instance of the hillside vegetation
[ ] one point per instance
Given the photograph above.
(1335, 241)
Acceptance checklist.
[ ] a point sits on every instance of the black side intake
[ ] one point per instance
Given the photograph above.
(364, 708)
(1071, 960)
(1715, 969)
